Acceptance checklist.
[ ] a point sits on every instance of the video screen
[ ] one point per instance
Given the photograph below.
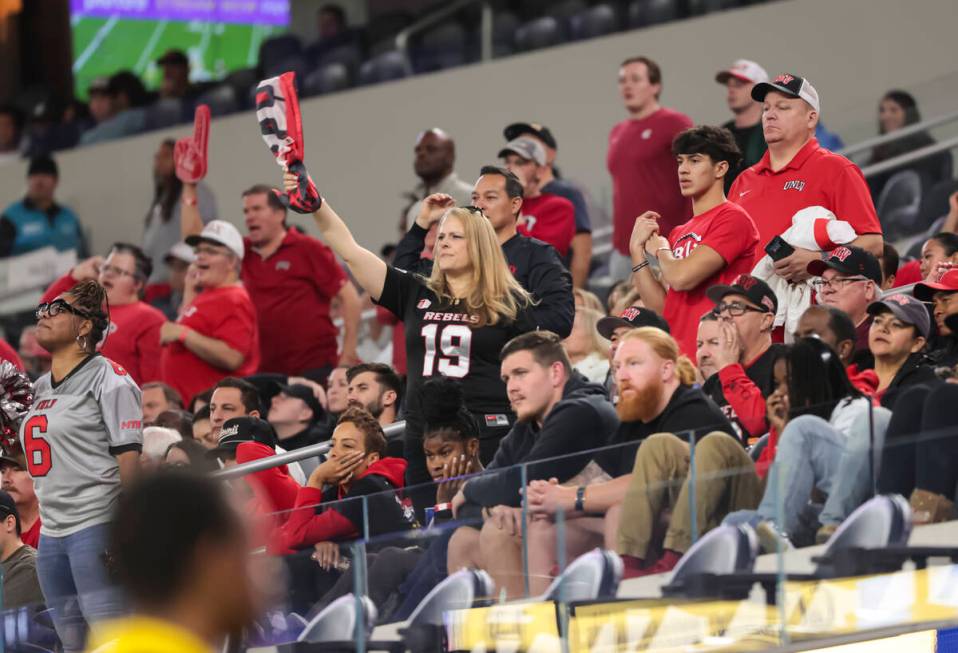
(218, 36)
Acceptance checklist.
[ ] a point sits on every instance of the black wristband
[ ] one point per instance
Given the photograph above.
(641, 265)
(580, 498)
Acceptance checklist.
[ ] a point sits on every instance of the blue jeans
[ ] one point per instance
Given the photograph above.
(812, 453)
(75, 583)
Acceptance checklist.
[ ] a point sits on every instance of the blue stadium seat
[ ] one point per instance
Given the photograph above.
(383, 68)
(274, 50)
(440, 48)
(165, 112)
(328, 79)
(591, 23)
(651, 12)
(539, 33)
(337, 621)
(221, 100)
(592, 575)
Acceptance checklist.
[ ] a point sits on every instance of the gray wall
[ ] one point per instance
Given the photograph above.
(359, 143)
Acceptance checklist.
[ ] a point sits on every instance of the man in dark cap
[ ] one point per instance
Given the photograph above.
(176, 74)
(37, 220)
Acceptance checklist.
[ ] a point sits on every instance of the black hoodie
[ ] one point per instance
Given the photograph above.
(582, 420)
(689, 409)
(916, 369)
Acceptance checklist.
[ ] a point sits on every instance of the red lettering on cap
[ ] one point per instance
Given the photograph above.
(630, 313)
(840, 253)
(746, 281)
(769, 304)
(784, 78)
(898, 298)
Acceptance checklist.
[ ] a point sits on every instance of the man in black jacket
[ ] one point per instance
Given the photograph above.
(661, 411)
(559, 414)
(534, 264)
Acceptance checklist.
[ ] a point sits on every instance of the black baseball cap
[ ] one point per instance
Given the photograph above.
(43, 165)
(305, 393)
(907, 309)
(173, 57)
(517, 129)
(243, 429)
(849, 260)
(791, 85)
(752, 288)
(8, 507)
(633, 317)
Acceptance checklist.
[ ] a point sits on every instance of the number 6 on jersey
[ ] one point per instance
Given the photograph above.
(37, 450)
(454, 343)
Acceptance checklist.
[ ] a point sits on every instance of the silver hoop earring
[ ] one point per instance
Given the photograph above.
(81, 343)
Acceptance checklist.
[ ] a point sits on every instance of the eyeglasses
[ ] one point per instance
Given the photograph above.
(836, 283)
(736, 309)
(112, 269)
(57, 306)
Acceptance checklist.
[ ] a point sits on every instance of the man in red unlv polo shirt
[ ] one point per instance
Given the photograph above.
(796, 173)
(292, 278)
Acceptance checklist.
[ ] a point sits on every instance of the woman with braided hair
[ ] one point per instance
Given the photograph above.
(82, 439)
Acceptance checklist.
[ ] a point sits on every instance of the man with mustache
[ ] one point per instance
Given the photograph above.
(656, 400)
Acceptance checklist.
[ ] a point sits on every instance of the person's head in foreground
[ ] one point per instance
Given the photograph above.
(817, 380)
(181, 555)
(648, 371)
(451, 436)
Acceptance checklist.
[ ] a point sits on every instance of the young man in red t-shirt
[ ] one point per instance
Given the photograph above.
(714, 247)
(133, 337)
(796, 172)
(545, 216)
(216, 334)
(640, 159)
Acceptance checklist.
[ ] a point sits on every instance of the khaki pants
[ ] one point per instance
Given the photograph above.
(725, 481)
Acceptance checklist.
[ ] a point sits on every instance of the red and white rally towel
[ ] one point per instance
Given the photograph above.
(277, 110)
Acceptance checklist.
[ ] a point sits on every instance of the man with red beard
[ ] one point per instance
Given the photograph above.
(656, 400)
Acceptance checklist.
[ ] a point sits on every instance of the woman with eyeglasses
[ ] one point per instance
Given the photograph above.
(82, 439)
(133, 338)
(457, 320)
(216, 334)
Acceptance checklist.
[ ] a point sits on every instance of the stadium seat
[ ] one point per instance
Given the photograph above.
(337, 622)
(165, 112)
(504, 26)
(591, 23)
(651, 12)
(879, 522)
(591, 576)
(566, 9)
(898, 204)
(274, 50)
(458, 591)
(328, 79)
(697, 7)
(723, 550)
(348, 55)
(221, 100)
(295, 63)
(383, 68)
(539, 33)
(934, 202)
(440, 48)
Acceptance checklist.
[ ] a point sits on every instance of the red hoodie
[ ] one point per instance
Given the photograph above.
(274, 491)
(344, 521)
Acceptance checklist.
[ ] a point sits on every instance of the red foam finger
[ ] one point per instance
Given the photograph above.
(201, 127)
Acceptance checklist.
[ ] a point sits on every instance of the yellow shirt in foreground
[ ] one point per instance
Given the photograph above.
(144, 635)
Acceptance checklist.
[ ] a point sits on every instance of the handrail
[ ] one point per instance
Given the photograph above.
(901, 133)
(402, 38)
(909, 157)
(392, 430)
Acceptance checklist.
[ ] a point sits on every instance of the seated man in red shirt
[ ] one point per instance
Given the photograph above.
(545, 216)
(18, 483)
(216, 334)
(714, 247)
(133, 338)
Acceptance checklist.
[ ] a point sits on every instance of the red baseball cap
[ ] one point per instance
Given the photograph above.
(947, 282)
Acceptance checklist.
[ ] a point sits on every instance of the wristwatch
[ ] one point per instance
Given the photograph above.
(580, 498)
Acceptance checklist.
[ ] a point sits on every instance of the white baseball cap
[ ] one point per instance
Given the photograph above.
(222, 233)
(743, 69)
(181, 252)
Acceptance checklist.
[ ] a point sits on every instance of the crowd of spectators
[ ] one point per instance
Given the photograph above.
(810, 374)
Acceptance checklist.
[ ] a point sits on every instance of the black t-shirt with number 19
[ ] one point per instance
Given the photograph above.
(442, 338)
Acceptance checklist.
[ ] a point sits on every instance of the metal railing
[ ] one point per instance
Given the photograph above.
(910, 157)
(441, 14)
(392, 431)
(891, 137)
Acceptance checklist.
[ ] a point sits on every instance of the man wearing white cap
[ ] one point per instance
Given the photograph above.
(746, 126)
(797, 172)
(216, 334)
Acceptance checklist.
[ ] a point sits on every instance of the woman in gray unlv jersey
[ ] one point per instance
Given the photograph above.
(82, 439)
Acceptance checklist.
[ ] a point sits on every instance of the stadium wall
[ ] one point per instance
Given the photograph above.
(359, 143)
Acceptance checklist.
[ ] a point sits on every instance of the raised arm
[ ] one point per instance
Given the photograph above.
(649, 288)
(367, 268)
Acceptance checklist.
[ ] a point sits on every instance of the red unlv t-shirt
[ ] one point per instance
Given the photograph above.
(549, 218)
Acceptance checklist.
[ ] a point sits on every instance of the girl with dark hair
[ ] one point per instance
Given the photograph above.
(190, 453)
(82, 440)
(896, 110)
(134, 333)
(451, 437)
(822, 431)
